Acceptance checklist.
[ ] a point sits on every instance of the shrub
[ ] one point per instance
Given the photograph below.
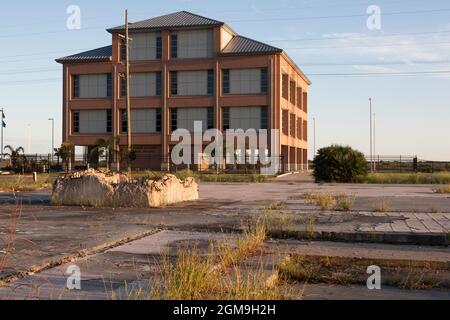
(339, 164)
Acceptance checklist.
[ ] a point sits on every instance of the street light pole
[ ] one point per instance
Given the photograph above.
(374, 141)
(315, 150)
(53, 138)
(371, 130)
(127, 76)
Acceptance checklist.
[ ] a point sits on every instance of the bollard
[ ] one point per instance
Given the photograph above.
(35, 178)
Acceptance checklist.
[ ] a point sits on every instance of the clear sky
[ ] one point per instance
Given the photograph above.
(328, 39)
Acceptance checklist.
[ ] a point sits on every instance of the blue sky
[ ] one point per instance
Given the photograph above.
(328, 39)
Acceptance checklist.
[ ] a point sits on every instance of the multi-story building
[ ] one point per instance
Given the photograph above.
(184, 68)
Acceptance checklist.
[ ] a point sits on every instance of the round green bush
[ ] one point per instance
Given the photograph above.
(339, 164)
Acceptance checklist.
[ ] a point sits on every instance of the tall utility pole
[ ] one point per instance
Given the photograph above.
(3, 125)
(127, 77)
(315, 150)
(53, 138)
(374, 142)
(371, 130)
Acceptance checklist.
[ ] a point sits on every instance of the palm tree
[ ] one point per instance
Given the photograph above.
(106, 148)
(16, 156)
(66, 152)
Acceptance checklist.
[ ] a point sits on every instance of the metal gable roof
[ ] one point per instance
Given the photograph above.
(243, 45)
(182, 19)
(99, 54)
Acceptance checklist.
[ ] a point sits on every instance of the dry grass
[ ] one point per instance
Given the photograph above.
(344, 202)
(443, 190)
(382, 206)
(325, 201)
(406, 178)
(19, 183)
(345, 271)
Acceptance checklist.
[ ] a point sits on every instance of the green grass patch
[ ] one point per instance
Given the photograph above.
(206, 177)
(406, 178)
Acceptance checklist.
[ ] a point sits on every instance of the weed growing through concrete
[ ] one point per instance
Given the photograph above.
(443, 190)
(382, 206)
(324, 201)
(344, 202)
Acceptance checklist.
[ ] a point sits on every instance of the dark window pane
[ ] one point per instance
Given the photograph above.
(76, 122)
(173, 119)
(123, 87)
(109, 121)
(210, 118)
(174, 83)
(226, 119)
(226, 81)
(123, 50)
(76, 86)
(210, 81)
(158, 83)
(174, 45)
(264, 117)
(158, 47)
(158, 120)
(109, 85)
(264, 80)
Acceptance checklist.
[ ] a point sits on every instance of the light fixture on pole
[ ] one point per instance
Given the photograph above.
(53, 139)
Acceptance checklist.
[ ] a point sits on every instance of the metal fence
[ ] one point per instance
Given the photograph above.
(406, 163)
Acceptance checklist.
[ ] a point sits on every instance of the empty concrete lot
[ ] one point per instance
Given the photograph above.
(45, 236)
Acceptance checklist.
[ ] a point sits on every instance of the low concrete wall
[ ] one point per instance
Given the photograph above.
(95, 189)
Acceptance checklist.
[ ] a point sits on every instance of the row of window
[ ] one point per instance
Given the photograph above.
(294, 94)
(293, 126)
(183, 83)
(183, 45)
(150, 120)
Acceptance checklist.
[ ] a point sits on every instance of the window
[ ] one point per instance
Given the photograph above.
(109, 85)
(142, 121)
(264, 80)
(143, 84)
(123, 87)
(305, 130)
(158, 83)
(195, 44)
(293, 125)
(300, 128)
(109, 121)
(210, 124)
(174, 45)
(158, 47)
(123, 50)
(305, 102)
(246, 118)
(226, 81)
(174, 83)
(210, 82)
(226, 118)
(76, 122)
(264, 118)
(158, 120)
(192, 83)
(144, 46)
(93, 86)
(124, 122)
(173, 119)
(299, 98)
(93, 121)
(76, 86)
(245, 81)
(186, 118)
(284, 86)
(285, 122)
(293, 89)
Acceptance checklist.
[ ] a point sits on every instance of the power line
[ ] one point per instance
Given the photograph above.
(256, 20)
(222, 11)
